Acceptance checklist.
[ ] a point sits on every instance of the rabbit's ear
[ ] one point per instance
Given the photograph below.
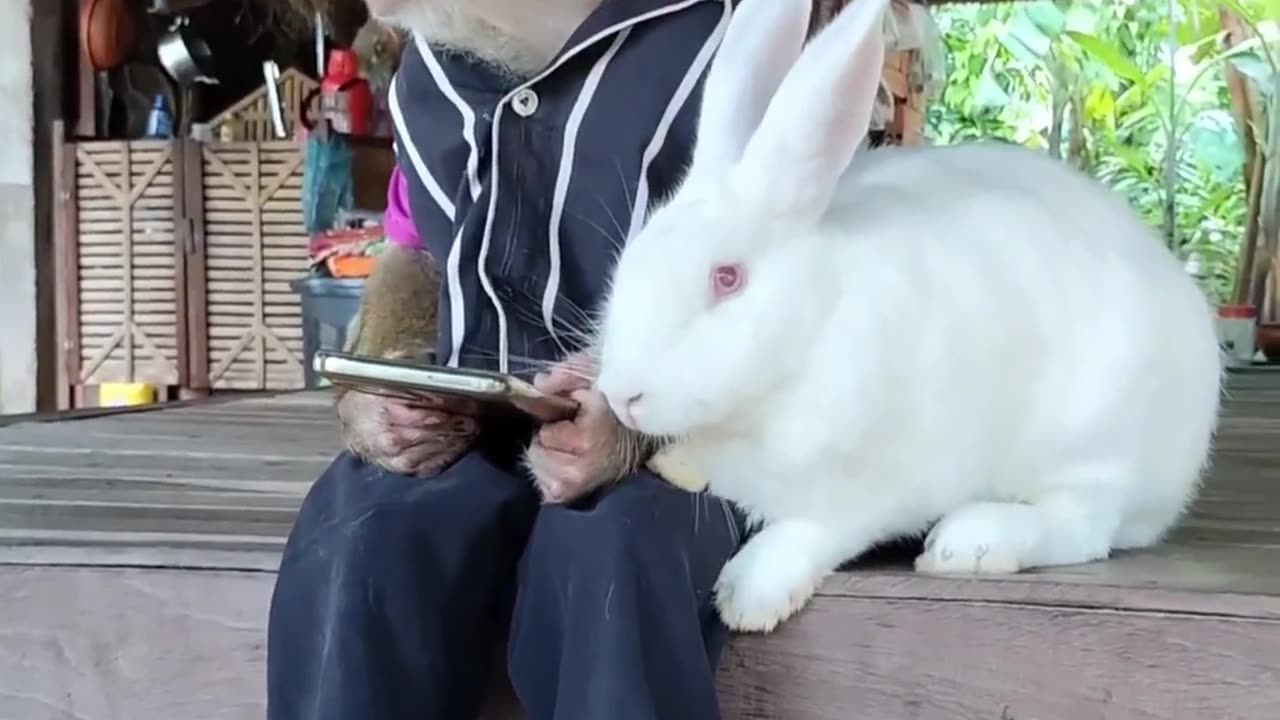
(820, 113)
(763, 40)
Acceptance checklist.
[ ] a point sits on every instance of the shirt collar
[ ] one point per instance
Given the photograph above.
(607, 20)
(613, 16)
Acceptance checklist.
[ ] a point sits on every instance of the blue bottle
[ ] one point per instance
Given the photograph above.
(159, 121)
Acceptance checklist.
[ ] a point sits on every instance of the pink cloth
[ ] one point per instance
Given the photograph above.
(398, 221)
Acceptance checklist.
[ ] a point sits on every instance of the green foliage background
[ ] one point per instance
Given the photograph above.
(1094, 82)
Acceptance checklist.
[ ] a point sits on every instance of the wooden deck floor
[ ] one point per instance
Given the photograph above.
(209, 485)
(1191, 629)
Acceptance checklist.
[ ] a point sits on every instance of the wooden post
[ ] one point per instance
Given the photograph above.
(50, 26)
(66, 267)
(194, 325)
(86, 85)
(181, 241)
(1242, 100)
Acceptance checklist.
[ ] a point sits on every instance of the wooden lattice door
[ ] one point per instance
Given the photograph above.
(253, 245)
(120, 292)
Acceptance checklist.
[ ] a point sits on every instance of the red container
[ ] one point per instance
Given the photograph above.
(346, 100)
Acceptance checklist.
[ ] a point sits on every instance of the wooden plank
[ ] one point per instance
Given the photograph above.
(256, 247)
(35, 492)
(131, 480)
(127, 256)
(111, 556)
(185, 528)
(1177, 577)
(889, 660)
(1175, 632)
(941, 660)
(136, 644)
(182, 241)
(252, 438)
(128, 281)
(250, 118)
(113, 459)
(66, 269)
(206, 470)
(196, 260)
(49, 23)
(278, 444)
(1187, 630)
(253, 435)
(255, 182)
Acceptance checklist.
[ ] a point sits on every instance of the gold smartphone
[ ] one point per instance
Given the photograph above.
(460, 391)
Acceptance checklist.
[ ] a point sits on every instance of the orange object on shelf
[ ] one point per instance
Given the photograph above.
(106, 32)
(350, 266)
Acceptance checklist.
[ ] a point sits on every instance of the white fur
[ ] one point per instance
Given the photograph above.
(518, 37)
(976, 334)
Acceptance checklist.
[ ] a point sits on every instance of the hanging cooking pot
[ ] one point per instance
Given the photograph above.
(185, 56)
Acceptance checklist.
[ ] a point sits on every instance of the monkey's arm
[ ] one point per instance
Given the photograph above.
(398, 310)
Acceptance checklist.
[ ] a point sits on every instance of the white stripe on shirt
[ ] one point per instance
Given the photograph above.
(564, 176)
(465, 110)
(678, 100)
(419, 167)
(453, 279)
(503, 341)
(434, 189)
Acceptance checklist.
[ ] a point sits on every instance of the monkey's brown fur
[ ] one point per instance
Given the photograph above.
(399, 308)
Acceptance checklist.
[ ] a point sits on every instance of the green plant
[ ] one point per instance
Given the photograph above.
(1130, 91)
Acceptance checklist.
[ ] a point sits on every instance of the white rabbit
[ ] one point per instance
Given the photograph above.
(852, 349)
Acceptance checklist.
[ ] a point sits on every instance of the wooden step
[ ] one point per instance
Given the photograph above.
(137, 554)
(109, 643)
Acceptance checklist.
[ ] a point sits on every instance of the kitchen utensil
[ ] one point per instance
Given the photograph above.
(271, 75)
(319, 42)
(189, 61)
(186, 57)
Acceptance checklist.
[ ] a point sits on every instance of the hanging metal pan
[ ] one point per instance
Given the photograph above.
(186, 57)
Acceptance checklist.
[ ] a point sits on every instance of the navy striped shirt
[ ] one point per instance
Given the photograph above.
(524, 194)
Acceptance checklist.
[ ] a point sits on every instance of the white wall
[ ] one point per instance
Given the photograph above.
(17, 214)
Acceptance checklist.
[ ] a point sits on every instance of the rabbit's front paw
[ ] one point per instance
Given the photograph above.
(770, 578)
(984, 538)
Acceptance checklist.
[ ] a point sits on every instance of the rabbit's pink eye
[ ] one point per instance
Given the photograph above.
(726, 280)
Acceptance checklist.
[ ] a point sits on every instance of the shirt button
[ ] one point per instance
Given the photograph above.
(525, 102)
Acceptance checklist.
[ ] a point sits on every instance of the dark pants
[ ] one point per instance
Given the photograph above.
(395, 592)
